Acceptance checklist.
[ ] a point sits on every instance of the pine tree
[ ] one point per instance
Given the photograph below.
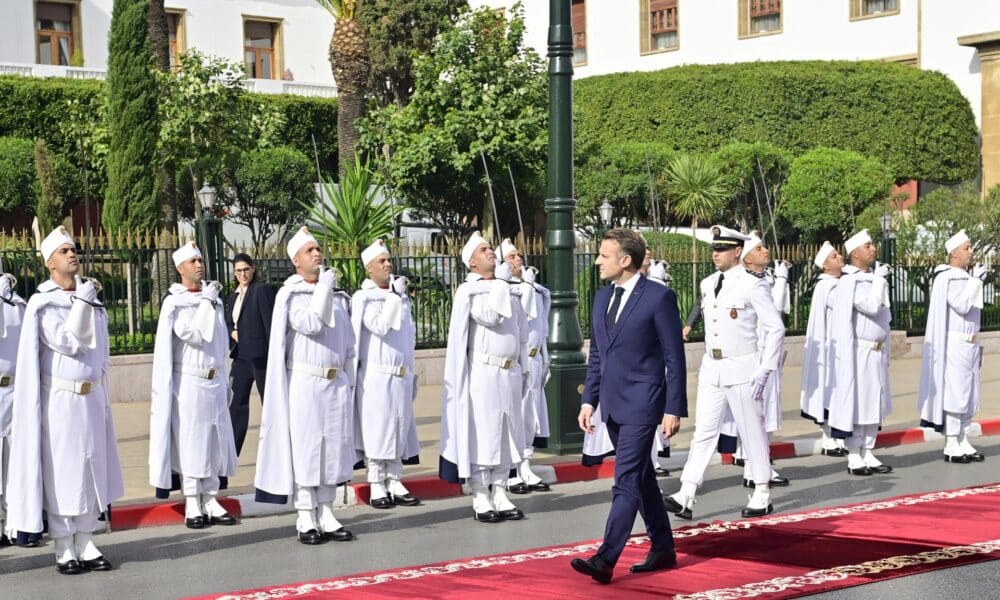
(50, 210)
(132, 199)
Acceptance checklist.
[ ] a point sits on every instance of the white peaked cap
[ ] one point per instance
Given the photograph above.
(301, 238)
(725, 237)
(58, 237)
(955, 241)
(824, 253)
(185, 253)
(750, 244)
(374, 251)
(475, 240)
(856, 241)
(506, 247)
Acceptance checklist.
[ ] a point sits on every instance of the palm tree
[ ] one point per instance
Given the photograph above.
(350, 65)
(696, 190)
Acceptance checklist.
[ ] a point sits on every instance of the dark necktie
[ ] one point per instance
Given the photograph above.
(718, 284)
(612, 317)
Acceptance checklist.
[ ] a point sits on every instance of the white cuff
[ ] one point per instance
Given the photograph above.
(499, 298)
(528, 301)
(321, 304)
(81, 323)
(974, 289)
(392, 311)
(879, 291)
(204, 321)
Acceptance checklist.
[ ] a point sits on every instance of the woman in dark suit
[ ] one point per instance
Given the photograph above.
(248, 314)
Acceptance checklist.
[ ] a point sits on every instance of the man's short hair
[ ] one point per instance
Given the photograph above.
(632, 244)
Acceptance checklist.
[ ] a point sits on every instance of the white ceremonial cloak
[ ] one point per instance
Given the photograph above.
(64, 448)
(536, 415)
(307, 425)
(190, 430)
(10, 331)
(480, 400)
(950, 377)
(816, 362)
(385, 428)
(860, 393)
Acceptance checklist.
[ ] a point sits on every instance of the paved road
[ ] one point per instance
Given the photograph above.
(171, 562)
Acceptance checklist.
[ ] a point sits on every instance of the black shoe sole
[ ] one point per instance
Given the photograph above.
(750, 513)
(581, 566)
(540, 487)
(97, 564)
(860, 471)
(782, 482)
(834, 452)
(311, 538)
(195, 523)
(513, 514)
(225, 521)
(382, 503)
(71, 567)
(674, 507)
(406, 500)
(491, 516)
(519, 488)
(977, 457)
(341, 535)
(959, 460)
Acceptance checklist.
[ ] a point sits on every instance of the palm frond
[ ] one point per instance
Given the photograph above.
(340, 9)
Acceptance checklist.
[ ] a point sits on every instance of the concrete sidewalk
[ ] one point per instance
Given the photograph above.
(132, 423)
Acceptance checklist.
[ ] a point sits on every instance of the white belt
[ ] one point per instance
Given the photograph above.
(209, 373)
(6, 380)
(321, 372)
(958, 336)
(387, 369)
(69, 385)
(731, 351)
(496, 361)
(870, 344)
(533, 352)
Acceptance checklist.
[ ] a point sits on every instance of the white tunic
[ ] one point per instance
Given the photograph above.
(816, 362)
(64, 448)
(385, 427)
(190, 429)
(13, 315)
(949, 381)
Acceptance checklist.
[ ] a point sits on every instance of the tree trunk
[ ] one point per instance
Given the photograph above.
(694, 259)
(350, 108)
(159, 40)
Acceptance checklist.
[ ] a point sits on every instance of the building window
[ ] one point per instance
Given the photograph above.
(579, 21)
(759, 17)
(260, 49)
(864, 9)
(57, 25)
(658, 25)
(175, 37)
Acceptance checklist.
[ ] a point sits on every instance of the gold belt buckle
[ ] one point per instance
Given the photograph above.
(211, 374)
(5, 381)
(85, 387)
(401, 372)
(331, 373)
(716, 353)
(506, 363)
(878, 345)
(533, 352)
(972, 339)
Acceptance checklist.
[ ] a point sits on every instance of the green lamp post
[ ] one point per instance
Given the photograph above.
(209, 233)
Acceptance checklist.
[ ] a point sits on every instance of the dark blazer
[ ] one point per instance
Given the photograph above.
(254, 326)
(637, 371)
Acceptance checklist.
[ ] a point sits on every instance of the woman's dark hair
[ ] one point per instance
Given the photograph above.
(245, 258)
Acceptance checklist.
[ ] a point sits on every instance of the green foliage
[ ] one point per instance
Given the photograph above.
(17, 175)
(301, 120)
(665, 244)
(630, 176)
(76, 60)
(478, 92)
(132, 198)
(943, 213)
(694, 185)
(752, 174)
(50, 203)
(270, 186)
(875, 108)
(827, 189)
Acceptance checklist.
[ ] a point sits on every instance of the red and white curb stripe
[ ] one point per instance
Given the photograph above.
(430, 487)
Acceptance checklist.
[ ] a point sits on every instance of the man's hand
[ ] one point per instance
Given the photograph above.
(85, 290)
(881, 270)
(503, 272)
(671, 425)
(328, 277)
(209, 291)
(400, 285)
(583, 419)
(686, 332)
(759, 383)
(979, 272)
(236, 336)
(528, 274)
(781, 270)
(7, 283)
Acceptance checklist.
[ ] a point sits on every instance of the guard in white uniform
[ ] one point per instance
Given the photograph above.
(860, 399)
(64, 453)
(739, 310)
(817, 363)
(536, 302)
(484, 385)
(190, 431)
(386, 433)
(11, 317)
(949, 382)
(307, 428)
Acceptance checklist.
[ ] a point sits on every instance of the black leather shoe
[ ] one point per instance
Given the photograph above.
(226, 519)
(195, 522)
(863, 471)
(541, 486)
(976, 457)
(490, 516)
(661, 472)
(4, 541)
(778, 481)
(311, 538)
(383, 502)
(595, 566)
(757, 512)
(519, 488)
(513, 514)
(834, 452)
(406, 500)
(70, 567)
(675, 507)
(340, 535)
(881, 469)
(962, 460)
(655, 561)
(739, 462)
(97, 564)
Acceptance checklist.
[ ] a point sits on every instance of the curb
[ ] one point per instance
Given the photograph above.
(431, 487)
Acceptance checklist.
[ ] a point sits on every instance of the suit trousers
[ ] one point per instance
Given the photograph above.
(244, 373)
(634, 491)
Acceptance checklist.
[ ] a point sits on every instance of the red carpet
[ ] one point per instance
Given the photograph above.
(782, 556)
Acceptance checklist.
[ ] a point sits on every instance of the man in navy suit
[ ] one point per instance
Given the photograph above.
(636, 372)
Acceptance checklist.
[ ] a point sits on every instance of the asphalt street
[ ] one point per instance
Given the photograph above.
(174, 562)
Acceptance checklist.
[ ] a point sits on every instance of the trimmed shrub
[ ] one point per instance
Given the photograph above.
(18, 187)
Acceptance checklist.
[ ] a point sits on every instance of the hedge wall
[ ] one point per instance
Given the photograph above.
(916, 122)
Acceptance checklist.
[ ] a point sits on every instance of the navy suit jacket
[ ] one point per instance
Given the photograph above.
(636, 371)
(254, 325)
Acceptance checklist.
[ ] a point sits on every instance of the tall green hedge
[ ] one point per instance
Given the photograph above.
(916, 122)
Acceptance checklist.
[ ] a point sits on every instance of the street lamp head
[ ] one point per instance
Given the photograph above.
(206, 197)
(886, 223)
(607, 211)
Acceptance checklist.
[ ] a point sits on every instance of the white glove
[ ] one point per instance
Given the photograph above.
(204, 320)
(879, 291)
(499, 298)
(328, 278)
(7, 283)
(85, 290)
(528, 300)
(400, 285)
(503, 272)
(81, 322)
(759, 383)
(881, 270)
(210, 291)
(978, 271)
(528, 274)
(392, 311)
(781, 269)
(321, 303)
(658, 271)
